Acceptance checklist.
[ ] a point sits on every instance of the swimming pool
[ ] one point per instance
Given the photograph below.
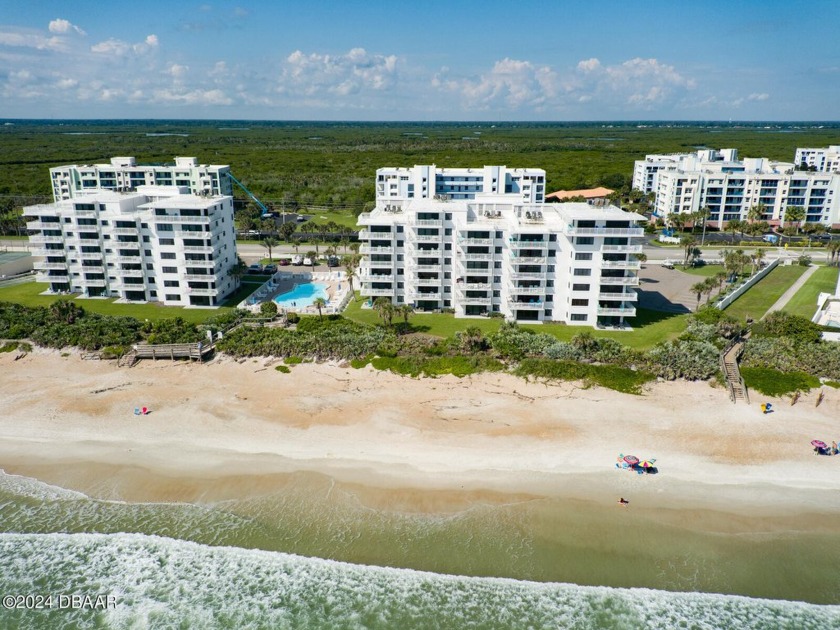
(302, 295)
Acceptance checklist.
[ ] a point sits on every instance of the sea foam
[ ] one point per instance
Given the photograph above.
(162, 582)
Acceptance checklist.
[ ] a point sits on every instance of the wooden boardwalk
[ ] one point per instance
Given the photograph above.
(172, 351)
(729, 366)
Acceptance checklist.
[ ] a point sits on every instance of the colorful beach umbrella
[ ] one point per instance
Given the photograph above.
(646, 464)
(817, 443)
(631, 459)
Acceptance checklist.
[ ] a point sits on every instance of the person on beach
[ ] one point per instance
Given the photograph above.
(623, 502)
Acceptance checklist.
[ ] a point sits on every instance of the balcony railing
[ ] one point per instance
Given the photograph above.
(417, 267)
(424, 238)
(379, 263)
(629, 281)
(41, 239)
(528, 260)
(604, 231)
(128, 259)
(373, 277)
(126, 231)
(630, 249)
(473, 286)
(41, 225)
(478, 257)
(200, 277)
(49, 265)
(192, 291)
(427, 282)
(98, 282)
(621, 264)
(475, 241)
(368, 249)
(627, 311)
(366, 235)
(526, 290)
(629, 296)
(525, 305)
(373, 292)
(530, 275)
(43, 251)
(52, 277)
(428, 222)
(181, 219)
(466, 299)
(199, 249)
(87, 241)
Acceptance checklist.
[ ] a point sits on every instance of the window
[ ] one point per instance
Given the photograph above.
(171, 283)
(583, 256)
(447, 216)
(580, 287)
(150, 266)
(173, 297)
(167, 241)
(579, 317)
(585, 240)
(579, 302)
(583, 272)
(167, 255)
(170, 270)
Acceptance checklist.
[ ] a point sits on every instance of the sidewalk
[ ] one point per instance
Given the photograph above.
(787, 295)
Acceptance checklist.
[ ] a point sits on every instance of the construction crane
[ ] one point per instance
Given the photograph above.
(265, 211)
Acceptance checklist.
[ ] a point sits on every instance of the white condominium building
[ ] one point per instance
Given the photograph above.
(496, 252)
(730, 187)
(123, 174)
(825, 160)
(158, 244)
(645, 171)
(429, 182)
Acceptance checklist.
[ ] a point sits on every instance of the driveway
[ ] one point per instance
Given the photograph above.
(667, 290)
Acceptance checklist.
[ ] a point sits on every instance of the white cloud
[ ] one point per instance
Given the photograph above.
(28, 38)
(352, 73)
(191, 97)
(763, 96)
(111, 47)
(177, 71)
(510, 82)
(588, 65)
(60, 25)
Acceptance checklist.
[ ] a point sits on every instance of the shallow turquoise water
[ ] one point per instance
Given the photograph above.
(302, 295)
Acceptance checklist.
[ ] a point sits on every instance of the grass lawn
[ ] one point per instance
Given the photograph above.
(755, 302)
(649, 327)
(804, 303)
(27, 294)
(703, 270)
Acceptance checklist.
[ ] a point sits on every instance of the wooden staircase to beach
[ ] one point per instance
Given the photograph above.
(128, 359)
(729, 367)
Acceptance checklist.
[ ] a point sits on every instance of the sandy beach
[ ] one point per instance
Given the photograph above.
(226, 428)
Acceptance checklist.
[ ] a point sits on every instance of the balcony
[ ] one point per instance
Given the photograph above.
(432, 268)
(199, 263)
(526, 290)
(88, 241)
(475, 241)
(93, 269)
(604, 231)
(367, 235)
(190, 249)
(379, 263)
(424, 238)
(629, 249)
(125, 231)
(43, 251)
(626, 311)
(39, 239)
(376, 292)
(61, 276)
(182, 233)
(368, 249)
(528, 260)
(428, 222)
(182, 219)
(98, 282)
(200, 277)
(514, 303)
(621, 264)
(417, 295)
(630, 296)
(477, 257)
(465, 299)
(530, 275)
(626, 280)
(473, 286)
(514, 244)
(39, 265)
(42, 225)
(192, 291)
(376, 277)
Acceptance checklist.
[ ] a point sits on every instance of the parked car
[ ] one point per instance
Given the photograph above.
(270, 268)
(284, 262)
(255, 268)
(332, 261)
(308, 262)
(297, 260)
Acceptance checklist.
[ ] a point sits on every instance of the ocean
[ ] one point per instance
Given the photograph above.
(311, 555)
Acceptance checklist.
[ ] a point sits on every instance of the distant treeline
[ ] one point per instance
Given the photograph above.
(334, 163)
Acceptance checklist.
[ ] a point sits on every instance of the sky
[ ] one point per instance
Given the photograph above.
(367, 60)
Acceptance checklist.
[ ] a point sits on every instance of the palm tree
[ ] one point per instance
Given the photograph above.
(472, 339)
(755, 213)
(406, 310)
(709, 286)
(350, 271)
(757, 258)
(689, 243)
(354, 246)
(66, 311)
(296, 243)
(269, 242)
(698, 288)
(720, 278)
(312, 256)
(319, 303)
(287, 229)
(834, 253)
(794, 214)
(385, 309)
(237, 270)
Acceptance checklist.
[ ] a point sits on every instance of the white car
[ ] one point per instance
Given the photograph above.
(297, 259)
(307, 262)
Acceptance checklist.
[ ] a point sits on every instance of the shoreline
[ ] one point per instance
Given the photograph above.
(227, 426)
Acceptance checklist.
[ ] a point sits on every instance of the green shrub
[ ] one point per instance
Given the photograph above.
(610, 376)
(459, 365)
(360, 363)
(293, 360)
(292, 318)
(688, 359)
(784, 324)
(268, 309)
(834, 384)
(112, 352)
(24, 346)
(804, 261)
(9, 346)
(284, 369)
(776, 383)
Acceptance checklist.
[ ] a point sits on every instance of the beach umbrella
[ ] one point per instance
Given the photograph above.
(646, 464)
(817, 443)
(631, 459)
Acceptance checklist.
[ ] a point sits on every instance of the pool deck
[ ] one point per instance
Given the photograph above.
(338, 290)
